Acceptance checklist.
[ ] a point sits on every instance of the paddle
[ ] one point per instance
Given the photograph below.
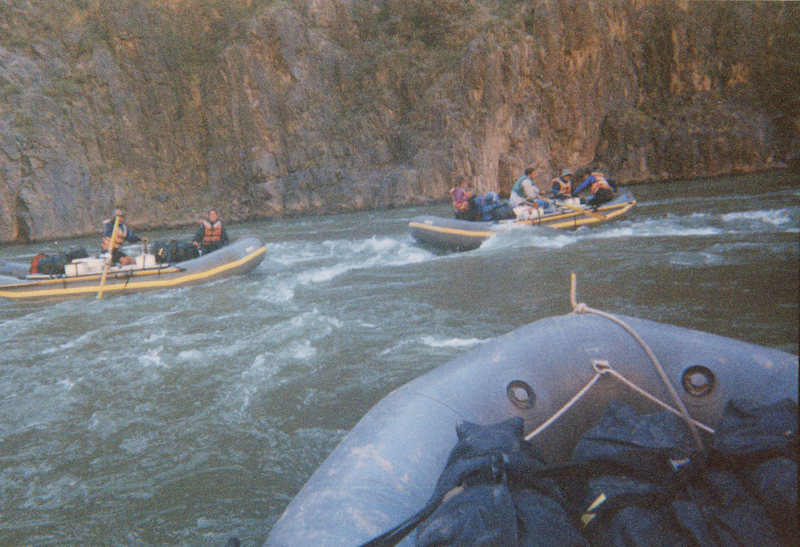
(586, 212)
(110, 257)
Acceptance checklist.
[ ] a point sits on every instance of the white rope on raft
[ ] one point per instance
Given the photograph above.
(603, 368)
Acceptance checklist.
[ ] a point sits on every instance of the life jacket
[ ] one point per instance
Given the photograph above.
(564, 188)
(212, 233)
(599, 183)
(461, 200)
(35, 263)
(122, 233)
(519, 189)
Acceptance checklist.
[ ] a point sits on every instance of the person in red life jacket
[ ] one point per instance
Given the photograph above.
(211, 234)
(598, 185)
(562, 186)
(461, 202)
(123, 234)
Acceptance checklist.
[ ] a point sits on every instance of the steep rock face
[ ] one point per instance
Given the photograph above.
(268, 108)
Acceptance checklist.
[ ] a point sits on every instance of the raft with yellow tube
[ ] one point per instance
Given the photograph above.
(83, 276)
(450, 234)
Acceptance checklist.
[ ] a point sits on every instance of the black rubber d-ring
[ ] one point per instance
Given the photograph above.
(698, 381)
(521, 394)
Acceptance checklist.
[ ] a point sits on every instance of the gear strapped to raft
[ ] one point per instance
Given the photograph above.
(54, 264)
(170, 252)
(631, 479)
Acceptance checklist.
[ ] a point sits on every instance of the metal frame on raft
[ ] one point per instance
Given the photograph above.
(239, 257)
(450, 234)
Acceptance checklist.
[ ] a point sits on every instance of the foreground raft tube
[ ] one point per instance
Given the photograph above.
(450, 234)
(386, 468)
(239, 257)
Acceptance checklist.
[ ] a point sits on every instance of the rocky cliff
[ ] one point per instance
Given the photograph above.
(266, 108)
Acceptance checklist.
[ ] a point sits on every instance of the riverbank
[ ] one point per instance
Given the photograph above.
(780, 175)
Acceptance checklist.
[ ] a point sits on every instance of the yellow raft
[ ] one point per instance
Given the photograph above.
(450, 234)
(83, 276)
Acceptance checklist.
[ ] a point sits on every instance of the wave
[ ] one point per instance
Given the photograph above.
(693, 225)
(671, 201)
(703, 224)
(433, 342)
(772, 217)
(323, 262)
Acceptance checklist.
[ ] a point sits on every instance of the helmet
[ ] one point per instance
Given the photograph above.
(566, 172)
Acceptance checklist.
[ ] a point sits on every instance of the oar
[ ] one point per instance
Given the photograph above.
(586, 212)
(110, 257)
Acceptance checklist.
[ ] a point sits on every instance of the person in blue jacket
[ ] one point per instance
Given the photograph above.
(598, 185)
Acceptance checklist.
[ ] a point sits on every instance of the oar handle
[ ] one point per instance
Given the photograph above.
(110, 257)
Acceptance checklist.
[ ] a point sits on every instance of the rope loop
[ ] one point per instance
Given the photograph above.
(603, 368)
(582, 308)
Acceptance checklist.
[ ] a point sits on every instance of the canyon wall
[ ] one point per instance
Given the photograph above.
(270, 108)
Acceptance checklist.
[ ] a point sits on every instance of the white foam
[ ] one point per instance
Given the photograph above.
(134, 445)
(774, 217)
(654, 229)
(433, 342)
(152, 358)
(76, 343)
(191, 355)
(68, 384)
(335, 258)
(302, 350)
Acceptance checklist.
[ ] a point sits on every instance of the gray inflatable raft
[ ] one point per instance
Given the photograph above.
(386, 468)
(238, 258)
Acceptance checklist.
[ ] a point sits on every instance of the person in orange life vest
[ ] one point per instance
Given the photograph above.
(211, 234)
(461, 198)
(123, 234)
(562, 186)
(600, 188)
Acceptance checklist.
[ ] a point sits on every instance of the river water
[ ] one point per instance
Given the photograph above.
(190, 415)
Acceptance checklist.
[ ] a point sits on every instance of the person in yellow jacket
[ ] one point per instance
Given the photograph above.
(123, 234)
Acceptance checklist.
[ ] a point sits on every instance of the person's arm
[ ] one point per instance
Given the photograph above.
(531, 190)
(223, 235)
(586, 182)
(130, 237)
(198, 236)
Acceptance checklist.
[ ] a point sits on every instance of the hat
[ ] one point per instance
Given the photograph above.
(566, 172)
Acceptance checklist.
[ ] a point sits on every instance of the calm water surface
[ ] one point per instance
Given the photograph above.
(191, 415)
